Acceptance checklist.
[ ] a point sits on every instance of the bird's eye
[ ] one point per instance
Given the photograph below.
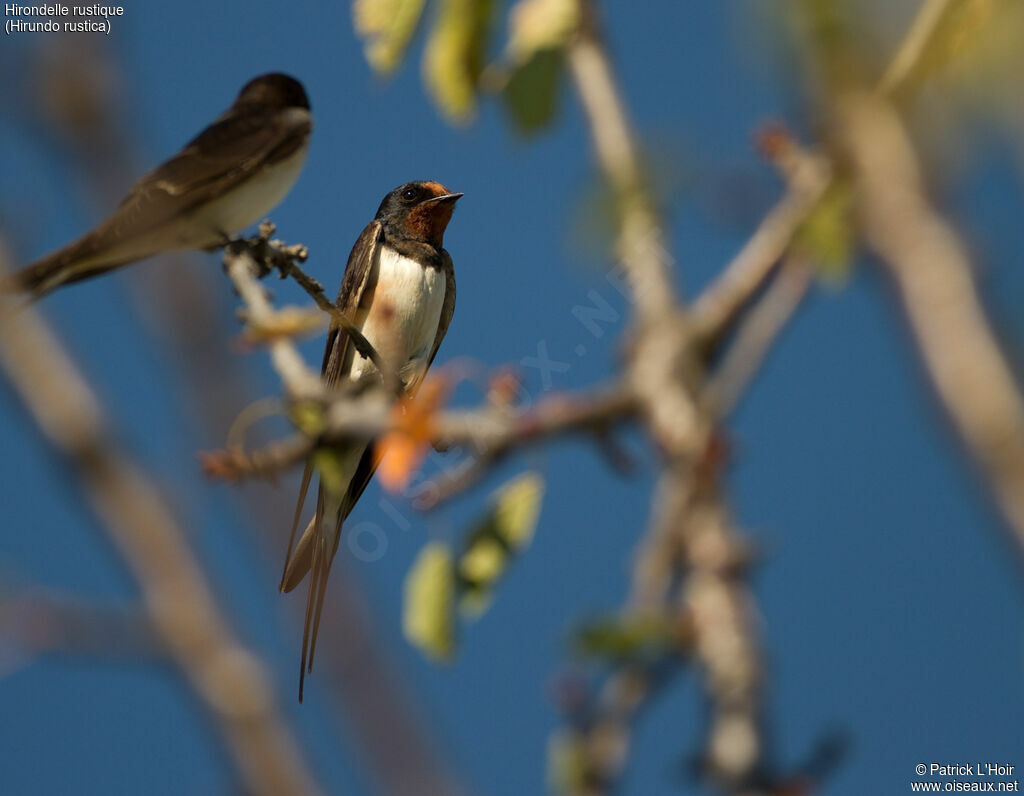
(409, 194)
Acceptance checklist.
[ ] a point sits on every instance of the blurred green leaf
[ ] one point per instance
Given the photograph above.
(386, 26)
(939, 36)
(538, 33)
(986, 56)
(428, 618)
(531, 93)
(433, 585)
(454, 56)
(475, 600)
(516, 509)
(826, 238)
(618, 639)
(484, 561)
(504, 530)
(567, 768)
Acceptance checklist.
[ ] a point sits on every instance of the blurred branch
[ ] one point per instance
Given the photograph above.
(490, 434)
(721, 303)
(682, 543)
(640, 243)
(229, 680)
(35, 622)
(932, 274)
(756, 335)
(244, 271)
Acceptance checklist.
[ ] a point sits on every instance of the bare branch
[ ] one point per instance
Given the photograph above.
(757, 332)
(490, 434)
(718, 307)
(228, 679)
(243, 269)
(681, 543)
(641, 241)
(932, 274)
(35, 621)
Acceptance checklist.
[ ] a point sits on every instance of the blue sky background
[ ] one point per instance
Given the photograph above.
(890, 598)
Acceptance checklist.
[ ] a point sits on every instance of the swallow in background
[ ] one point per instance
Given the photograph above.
(229, 176)
(399, 291)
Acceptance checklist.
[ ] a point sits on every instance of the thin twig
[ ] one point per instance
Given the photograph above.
(276, 254)
(718, 307)
(243, 270)
(755, 337)
(491, 434)
(35, 621)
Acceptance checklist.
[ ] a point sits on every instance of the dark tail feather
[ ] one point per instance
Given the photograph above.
(322, 556)
(317, 573)
(327, 560)
(290, 580)
(59, 268)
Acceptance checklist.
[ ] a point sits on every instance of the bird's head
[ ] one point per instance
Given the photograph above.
(419, 210)
(274, 89)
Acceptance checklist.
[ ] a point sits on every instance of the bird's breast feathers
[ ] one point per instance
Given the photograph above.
(401, 316)
(249, 202)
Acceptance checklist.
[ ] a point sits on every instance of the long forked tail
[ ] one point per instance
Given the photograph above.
(315, 550)
(327, 533)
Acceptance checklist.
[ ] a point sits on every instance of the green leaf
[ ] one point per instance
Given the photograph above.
(538, 33)
(454, 56)
(517, 508)
(505, 529)
(428, 618)
(433, 586)
(484, 561)
(567, 762)
(629, 639)
(387, 27)
(531, 93)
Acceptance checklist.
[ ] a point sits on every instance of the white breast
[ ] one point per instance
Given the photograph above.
(401, 322)
(256, 197)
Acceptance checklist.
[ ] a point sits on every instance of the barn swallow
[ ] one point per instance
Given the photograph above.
(229, 176)
(399, 291)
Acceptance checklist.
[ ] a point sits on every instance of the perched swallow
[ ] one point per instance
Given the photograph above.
(399, 291)
(226, 178)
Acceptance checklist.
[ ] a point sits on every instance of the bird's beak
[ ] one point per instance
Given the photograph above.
(445, 198)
